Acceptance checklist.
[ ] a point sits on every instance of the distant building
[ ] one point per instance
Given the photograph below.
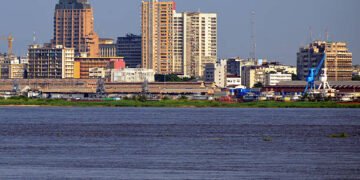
(4, 71)
(157, 35)
(186, 41)
(17, 71)
(273, 79)
(74, 27)
(129, 47)
(50, 63)
(133, 75)
(338, 60)
(356, 70)
(95, 73)
(107, 47)
(257, 74)
(233, 81)
(216, 73)
(83, 65)
(4, 66)
(195, 42)
(234, 65)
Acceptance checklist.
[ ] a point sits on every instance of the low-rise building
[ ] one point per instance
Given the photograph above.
(252, 75)
(273, 79)
(84, 64)
(233, 81)
(133, 75)
(356, 70)
(17, 71)
(95, 73)
(216, 73)
(4, 70)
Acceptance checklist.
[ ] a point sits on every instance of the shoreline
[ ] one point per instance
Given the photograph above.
(172, 104)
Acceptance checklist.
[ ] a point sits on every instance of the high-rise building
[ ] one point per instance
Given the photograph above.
(157, 35)
(177, 43)
(74, 27)
(338, 60)
(195, 42)
(50, 62)
(129, 47)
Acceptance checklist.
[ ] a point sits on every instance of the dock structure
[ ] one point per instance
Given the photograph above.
(88, 87)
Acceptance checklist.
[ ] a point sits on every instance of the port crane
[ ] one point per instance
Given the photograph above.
(10, 40)
(324, 88)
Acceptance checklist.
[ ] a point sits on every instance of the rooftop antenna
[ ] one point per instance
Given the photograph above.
(311, 34)
(326, 34)
(34, 38)
(253, 36)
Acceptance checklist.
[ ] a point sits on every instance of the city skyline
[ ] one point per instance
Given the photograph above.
(278, 37)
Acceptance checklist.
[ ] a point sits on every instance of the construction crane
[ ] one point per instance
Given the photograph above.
(10, 40)
(313, 73)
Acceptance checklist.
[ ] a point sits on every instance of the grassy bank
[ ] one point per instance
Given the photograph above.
(174, 103)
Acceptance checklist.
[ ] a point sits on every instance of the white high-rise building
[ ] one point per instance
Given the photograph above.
(195, 42)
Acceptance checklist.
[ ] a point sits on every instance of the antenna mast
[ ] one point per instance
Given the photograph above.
(253, 36)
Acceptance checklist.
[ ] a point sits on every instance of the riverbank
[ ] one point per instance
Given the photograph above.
(174, 103)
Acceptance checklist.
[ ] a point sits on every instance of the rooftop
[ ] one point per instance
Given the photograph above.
(73, 4)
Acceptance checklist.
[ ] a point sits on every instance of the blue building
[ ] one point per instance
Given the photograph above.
(129, 47)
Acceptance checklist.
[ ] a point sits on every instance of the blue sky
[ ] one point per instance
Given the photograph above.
(282, 26)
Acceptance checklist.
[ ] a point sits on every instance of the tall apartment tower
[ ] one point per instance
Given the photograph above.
(74, 27)
(157, 31)
(178, 43)
(195, 42)
(338, 60)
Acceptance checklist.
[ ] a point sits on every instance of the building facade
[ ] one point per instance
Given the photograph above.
(157, 32)
(251, 75)
(50, 62)
(17, 71)
(74, 27)
(83, 65)
(233, 81)
(338, 60)
(273, 79)
(129, 47)
(107, 47)
(195, 42)
(217, 73)
(177, 43)
(133, 75)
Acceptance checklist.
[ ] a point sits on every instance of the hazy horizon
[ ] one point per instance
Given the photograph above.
(282, 26)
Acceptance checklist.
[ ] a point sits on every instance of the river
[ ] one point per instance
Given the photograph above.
(178, 143)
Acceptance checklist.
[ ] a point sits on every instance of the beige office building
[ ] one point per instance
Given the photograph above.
(338, 60)
(157, 32)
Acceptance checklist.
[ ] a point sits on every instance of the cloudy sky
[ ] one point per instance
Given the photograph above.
(282, 26)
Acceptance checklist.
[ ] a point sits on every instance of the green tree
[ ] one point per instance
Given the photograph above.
(356, 78)
(258, 85)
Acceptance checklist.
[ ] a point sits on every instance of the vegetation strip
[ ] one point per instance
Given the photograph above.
(173, 103)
